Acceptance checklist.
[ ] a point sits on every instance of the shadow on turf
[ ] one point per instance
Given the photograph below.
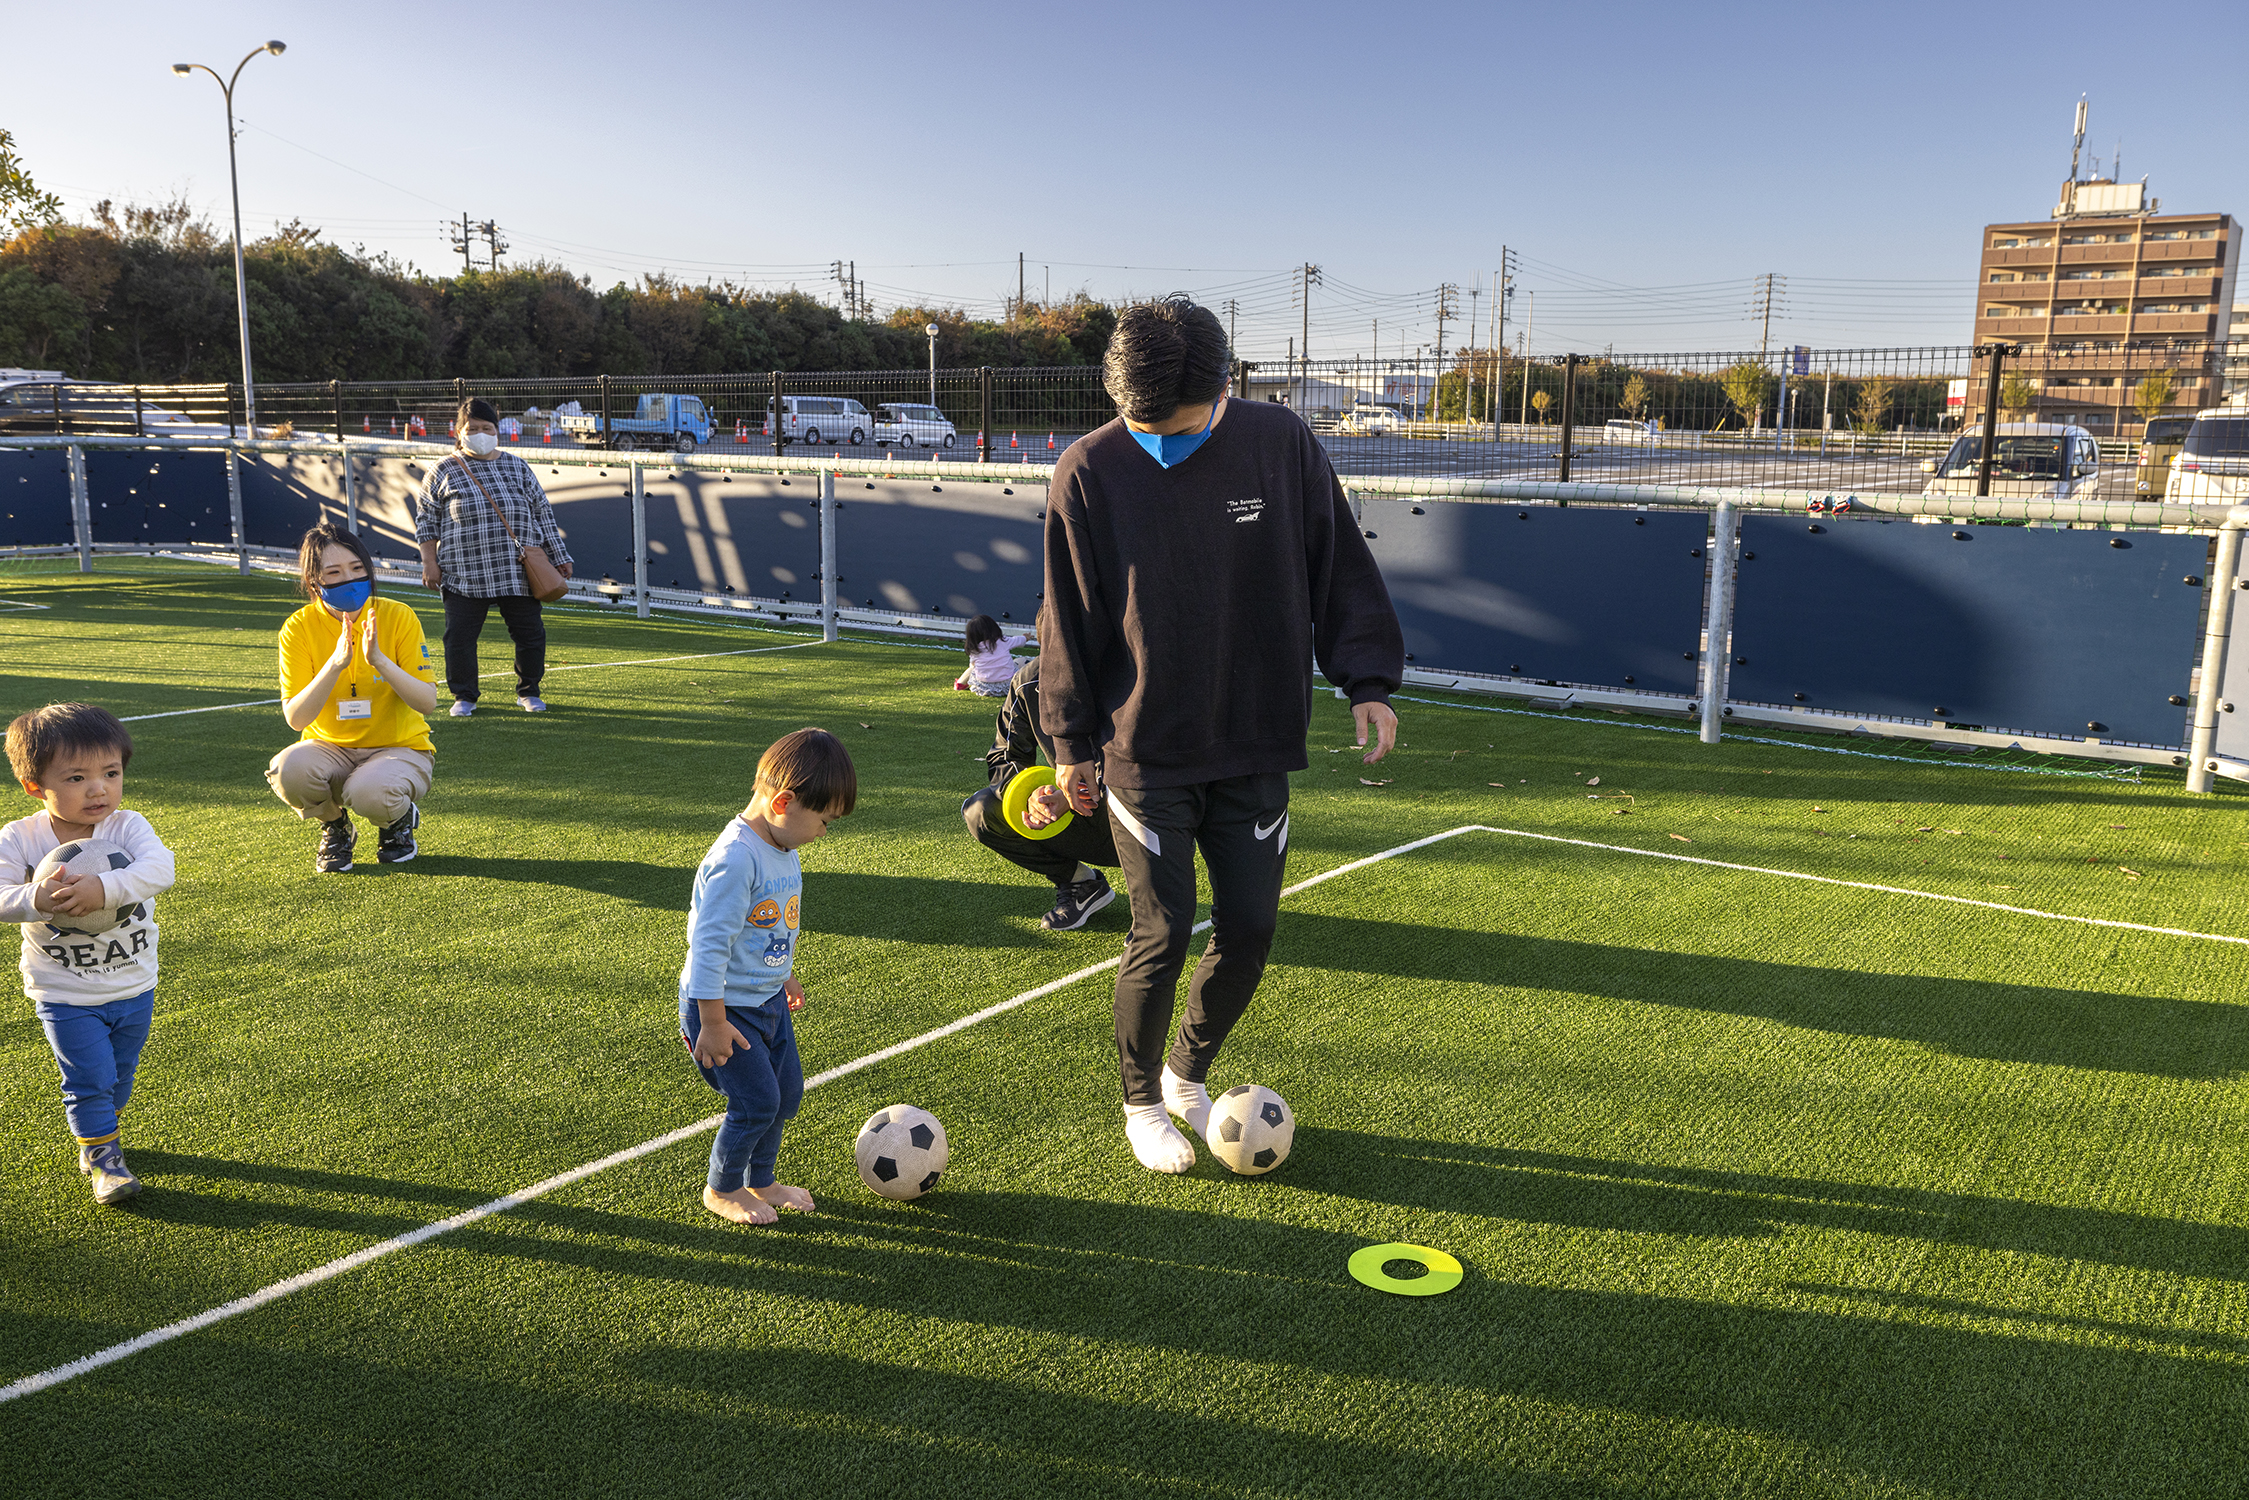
(2191, 1039)
(1092, 1293)
(1586, 1192)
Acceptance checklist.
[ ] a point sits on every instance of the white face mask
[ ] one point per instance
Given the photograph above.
(482, 444)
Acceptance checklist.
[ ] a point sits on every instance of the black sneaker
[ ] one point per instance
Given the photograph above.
(336, 842)
(1074, 903)
(395, 845)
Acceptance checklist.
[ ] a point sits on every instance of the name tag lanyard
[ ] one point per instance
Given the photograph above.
(354, 706)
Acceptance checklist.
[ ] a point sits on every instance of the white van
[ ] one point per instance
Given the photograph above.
(2031, 461)
(2213, 465)
(1625, 430)
(910, 424)
(819, 419)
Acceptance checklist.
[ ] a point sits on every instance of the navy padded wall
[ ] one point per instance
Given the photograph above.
(2006, 627)
(35, 499)
(1612, 598)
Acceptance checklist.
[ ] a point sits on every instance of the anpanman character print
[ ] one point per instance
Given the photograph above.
(767, 913)
(789, 916)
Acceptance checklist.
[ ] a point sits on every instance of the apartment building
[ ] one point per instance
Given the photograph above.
(2105, 293)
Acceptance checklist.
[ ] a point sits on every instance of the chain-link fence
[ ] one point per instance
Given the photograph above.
(1880, 420)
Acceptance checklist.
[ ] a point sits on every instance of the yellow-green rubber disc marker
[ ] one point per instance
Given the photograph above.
(1016, 801)
(1444, 1272)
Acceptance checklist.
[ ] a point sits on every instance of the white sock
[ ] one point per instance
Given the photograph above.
(1189, 1101)
(1155, 1140)
(1085, 873)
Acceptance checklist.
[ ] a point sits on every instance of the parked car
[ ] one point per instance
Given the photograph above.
(2213, 464)
(1372, 421)
(2159, 444)
(908, 424)
(819, 419)
(1625, 430)
(659, 421)
(2030, 461)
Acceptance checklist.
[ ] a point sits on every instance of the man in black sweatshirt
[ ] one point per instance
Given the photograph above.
(1200, 557)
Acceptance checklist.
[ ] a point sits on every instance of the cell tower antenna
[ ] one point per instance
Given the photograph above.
(2078, 145)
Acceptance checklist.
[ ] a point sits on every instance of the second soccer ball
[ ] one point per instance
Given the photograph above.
(901, 1151)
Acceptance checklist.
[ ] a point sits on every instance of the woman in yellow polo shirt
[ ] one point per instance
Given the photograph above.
(356, 682)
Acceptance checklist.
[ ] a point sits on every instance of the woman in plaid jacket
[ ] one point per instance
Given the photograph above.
(467, 554)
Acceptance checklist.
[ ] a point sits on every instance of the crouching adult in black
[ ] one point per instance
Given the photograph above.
(1067, 858)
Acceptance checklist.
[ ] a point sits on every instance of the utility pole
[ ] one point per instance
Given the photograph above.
(1310, 278)
(1768, 286)
(1019, 283)
(1232, 309)
(492, 241)
(1468, 399)
(462, 242)
(1523, 351)
(1448, 306)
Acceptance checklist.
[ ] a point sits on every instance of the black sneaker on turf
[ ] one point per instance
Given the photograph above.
(1074, 903)
(395, 846)
(336, 842)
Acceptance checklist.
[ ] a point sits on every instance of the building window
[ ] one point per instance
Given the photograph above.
(2002, 276)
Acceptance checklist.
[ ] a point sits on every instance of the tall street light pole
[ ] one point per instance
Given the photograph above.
(931, 330)
(234, 183)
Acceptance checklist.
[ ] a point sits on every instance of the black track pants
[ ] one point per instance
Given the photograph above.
(1241, 826)
(464, 622)
(1085, 841)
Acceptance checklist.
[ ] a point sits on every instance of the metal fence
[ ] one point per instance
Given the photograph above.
(1863, 419)
(2088, 633)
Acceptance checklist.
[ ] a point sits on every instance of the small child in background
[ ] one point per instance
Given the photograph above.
(95, 995)
(736, 992)
(990, 668)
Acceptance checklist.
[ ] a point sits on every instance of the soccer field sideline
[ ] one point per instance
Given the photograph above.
(60, 1374)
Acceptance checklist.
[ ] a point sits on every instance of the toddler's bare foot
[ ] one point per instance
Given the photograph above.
(781, 1195)
(740, 1206)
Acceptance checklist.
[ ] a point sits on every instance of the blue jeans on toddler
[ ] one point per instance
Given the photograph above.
(98, 1048)
(763, 1083)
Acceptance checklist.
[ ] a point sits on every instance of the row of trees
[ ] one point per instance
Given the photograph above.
(146, 296)
(1741, 395)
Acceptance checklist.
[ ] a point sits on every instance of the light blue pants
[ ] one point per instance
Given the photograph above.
(98, 1048)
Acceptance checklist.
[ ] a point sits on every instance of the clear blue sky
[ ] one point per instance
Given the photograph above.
(1645, 161)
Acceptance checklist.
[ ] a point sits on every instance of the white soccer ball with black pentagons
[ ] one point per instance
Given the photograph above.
(1251, 1129)
(901, 1151)
(85, 857)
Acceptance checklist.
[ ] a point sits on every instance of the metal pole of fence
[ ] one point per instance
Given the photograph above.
(234, 513)
(828, 578)
(780, 420)
(1998, 353)
(140, 425)
(81, 512)
(351, 489)
(231, 408)
(984, 423)
(1718, 624)
(601, 438)
(1569, 401)
(2201, 770)
(640, 534)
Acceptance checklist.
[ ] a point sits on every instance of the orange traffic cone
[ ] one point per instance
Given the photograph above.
(546, 433)
(1011, 441)
(365, 423)
(1050, 442)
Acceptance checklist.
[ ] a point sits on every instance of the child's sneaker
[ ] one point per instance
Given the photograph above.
(1073, 904)
(113, 1181)
(395, 845)
(337, 840)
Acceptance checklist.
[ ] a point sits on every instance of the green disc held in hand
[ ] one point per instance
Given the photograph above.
(1444, 1272)
(1016, 801)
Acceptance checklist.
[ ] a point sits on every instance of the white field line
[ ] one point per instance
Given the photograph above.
(591, 666)
(32, 1384)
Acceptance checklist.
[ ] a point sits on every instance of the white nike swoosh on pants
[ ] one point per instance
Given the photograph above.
(1281, 823)
(1136, 828)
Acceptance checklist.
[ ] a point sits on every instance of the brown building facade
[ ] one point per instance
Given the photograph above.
(2102, 300)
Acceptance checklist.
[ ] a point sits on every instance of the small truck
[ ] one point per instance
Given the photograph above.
(661, 421)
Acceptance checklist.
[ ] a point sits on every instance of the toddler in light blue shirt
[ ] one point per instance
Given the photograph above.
(736, 990)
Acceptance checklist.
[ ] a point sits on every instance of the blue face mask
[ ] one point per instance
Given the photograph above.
(346, 598)
(1174, 448)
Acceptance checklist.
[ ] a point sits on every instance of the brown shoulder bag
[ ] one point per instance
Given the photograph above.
(539, 572)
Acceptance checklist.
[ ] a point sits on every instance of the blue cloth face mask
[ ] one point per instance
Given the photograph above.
(346, 598)
(1169, 449)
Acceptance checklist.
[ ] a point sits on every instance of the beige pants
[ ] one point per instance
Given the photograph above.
(323, 781)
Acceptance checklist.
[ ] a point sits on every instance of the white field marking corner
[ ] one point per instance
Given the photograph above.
(591, 666)
(46, 1379)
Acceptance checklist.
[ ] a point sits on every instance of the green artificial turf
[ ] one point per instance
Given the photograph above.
(1763, 1187)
